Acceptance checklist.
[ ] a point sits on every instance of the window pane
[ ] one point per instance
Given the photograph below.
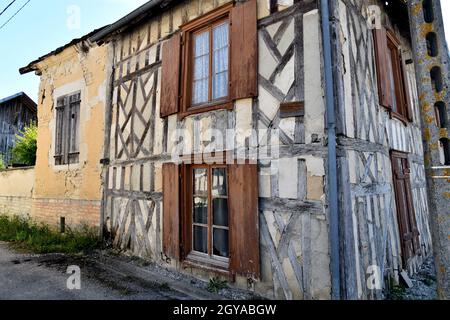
(201, 210)
(220, 212)
(201, 68)
(220, 61)
(219, 182)
(200, 239)
(200, 182)
(220, 243)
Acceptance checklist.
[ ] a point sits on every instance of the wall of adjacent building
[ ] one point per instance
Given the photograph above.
(16, 190)
(368, 134)
(71, 191)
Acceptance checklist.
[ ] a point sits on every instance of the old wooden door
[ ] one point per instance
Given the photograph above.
(409, 234)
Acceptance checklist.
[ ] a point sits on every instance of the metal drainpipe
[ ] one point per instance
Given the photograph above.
(332, 157)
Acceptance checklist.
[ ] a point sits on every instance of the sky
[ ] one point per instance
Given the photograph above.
(43, 25)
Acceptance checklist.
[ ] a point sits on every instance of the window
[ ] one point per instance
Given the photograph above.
(210, 216)
(392, 80)
(207, 58)
(207, 212)
(211, 62)
(409, 234)
(66, 133)
(210, 84)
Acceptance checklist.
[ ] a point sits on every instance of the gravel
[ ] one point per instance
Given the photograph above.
(424, 285)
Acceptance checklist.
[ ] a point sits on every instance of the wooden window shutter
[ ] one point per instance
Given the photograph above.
(383, 74)
(74, 122)
(244, 225)
(170, 77)
(171, 210)
(244, 51)
(59, 132)
(411, 215)
(407, 96)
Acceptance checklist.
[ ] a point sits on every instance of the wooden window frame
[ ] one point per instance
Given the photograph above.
(198, 25)
(401, 94)
(64, 133)
(188, 254)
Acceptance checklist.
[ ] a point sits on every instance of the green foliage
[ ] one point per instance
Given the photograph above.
(24, 150)
(216, 284)
(2, 162)
(397, 292)
(27, 235)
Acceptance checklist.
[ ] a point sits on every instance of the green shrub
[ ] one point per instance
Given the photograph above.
(2, 162)
(39, 238)
(24, 150)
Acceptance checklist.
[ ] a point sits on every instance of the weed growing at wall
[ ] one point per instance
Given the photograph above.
(2, 162)
(216, 284)
(28, 235)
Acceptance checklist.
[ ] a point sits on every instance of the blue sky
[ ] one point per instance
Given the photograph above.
(44, 25)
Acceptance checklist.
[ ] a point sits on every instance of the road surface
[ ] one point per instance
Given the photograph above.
(44, 277)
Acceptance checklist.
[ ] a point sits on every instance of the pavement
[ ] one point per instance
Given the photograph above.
(44, 277)
(103, 275)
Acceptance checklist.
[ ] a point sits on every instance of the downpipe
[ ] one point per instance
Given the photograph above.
(332, 157)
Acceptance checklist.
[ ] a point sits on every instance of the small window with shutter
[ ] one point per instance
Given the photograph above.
(211, 62)
(67, 129)
(211, 216)
(393, 88)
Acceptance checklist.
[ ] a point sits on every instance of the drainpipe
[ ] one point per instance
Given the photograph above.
(332, 157)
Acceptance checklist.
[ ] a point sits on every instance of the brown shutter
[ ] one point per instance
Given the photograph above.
(244, 51)
(407, 97)
(171, 210)
(381, 56)
(170, 78)
(244, 226)
(411, 215)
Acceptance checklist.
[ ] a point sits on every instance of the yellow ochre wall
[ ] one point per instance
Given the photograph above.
(71, 191)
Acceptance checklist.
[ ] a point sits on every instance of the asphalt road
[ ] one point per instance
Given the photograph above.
(44, 277)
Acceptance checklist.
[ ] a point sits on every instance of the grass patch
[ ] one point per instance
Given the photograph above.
(397, 292)
(216, 284)
(27, 235)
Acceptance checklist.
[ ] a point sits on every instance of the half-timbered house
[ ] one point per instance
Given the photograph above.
(214, 154)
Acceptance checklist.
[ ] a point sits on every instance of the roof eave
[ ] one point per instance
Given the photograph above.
(151, 7)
